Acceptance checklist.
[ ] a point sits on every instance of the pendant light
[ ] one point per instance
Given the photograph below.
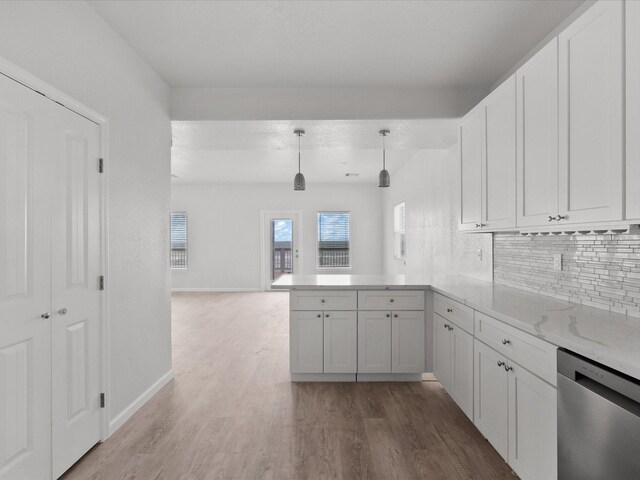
(298, 181)
(384, 180)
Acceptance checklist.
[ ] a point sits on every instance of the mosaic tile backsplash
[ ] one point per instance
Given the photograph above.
(602, 271)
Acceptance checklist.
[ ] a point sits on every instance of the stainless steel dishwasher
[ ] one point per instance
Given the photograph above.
(598, 421)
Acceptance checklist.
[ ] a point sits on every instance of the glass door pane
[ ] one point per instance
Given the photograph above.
(281, 247)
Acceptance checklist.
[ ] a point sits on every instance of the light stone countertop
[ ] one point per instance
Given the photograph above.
(609, 338)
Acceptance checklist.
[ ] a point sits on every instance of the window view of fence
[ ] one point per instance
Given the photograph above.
(178, 257)
(282, 243)
(334, 239)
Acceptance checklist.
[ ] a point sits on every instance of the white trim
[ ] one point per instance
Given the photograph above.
(30, 81)
(134, 406)
(389, 377)
(215, 289)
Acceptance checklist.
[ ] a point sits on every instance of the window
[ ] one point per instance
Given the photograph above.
(334, 238)
(399, 236)
(179, 240)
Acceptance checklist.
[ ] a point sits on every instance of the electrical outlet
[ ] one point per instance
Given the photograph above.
(479, 255)
(557, 261)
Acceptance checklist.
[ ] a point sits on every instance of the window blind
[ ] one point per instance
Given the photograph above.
(334, 239)
(178, 239)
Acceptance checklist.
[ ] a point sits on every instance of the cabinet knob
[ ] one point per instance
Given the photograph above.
(62, 311)
(395, 315)
(326, 315)
(507, 368)
(46, 316)
(319, 315)
(561, 217)
(391, 300)
(505, 341)
(445, 325)
(551, 218)
(500, 363)
(322, 301)
(388, 315)
(450, 310)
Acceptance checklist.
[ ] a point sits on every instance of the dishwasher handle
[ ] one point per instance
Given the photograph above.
(616, 387)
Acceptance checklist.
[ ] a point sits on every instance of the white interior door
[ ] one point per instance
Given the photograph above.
(76, 296)
(282, 239)
(25, 284)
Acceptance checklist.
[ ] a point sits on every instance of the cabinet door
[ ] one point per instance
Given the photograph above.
(340, 342)
(632, 10)
(407, 342)
(305, 342)
(532, 426)
(470, 170)
(461, 382)
(537, 140)
(499, 157)
(374, 342)
(490, 394)
(591, 115)
(442, 351)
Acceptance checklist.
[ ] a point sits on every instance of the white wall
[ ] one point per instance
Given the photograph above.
(224, 229)
(66, 44)
(429, 185)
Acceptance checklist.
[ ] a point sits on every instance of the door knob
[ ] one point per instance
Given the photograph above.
(62, 311)
(46, 316)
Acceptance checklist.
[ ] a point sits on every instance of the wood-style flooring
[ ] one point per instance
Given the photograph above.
(232, 413)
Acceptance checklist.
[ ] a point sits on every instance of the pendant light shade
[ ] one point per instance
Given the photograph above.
(298, 182)
(384, 179)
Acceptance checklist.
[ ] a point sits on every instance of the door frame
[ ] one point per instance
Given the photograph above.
(297, 240)
(28, 80)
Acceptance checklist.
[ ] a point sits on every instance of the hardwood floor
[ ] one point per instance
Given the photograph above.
(232, 413)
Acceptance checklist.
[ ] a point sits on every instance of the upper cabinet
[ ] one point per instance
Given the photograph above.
(537, 85)
(633, 109)
(591, 111)
(499, 158)
(551, 145)
(471, 144)
(488, 162)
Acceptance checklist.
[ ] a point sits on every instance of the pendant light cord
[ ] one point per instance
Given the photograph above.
(298, 152)
(384, 154)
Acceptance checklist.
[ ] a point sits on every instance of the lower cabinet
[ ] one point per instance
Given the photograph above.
(306, 342)
(453, 362)
(407, 342)
(340, 342)
(374, 342)
(517, 412)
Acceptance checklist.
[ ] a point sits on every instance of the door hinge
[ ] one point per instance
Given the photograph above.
(101, 165)
(102, 400)
(101, 282)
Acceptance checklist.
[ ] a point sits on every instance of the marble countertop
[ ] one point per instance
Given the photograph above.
(609, 338)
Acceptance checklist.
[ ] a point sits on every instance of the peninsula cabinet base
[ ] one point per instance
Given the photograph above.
(356, 377)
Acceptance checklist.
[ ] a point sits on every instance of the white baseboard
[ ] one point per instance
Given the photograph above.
(216, 290)
(128, 412)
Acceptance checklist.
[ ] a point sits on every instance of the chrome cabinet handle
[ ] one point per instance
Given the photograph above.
(500, 363)
(450, 310)
(445, 325)
(62, 311)
(450, 328)
(505, 341)
(561, 217)
(507, 368)
(46, 316)
(551, 218)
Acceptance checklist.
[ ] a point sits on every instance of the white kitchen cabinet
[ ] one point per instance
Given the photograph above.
(471, 145)
(374, 342)
(442, 351)
(591, 112)
(632, 12)
(499, 158)
(461, 380)
(491, 398)
(537, 138)
(340, 342)
(306, 341)
(407, 342)
(532, 426)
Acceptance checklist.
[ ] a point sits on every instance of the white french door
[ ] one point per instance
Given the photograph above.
(49, 301)
(282, 245)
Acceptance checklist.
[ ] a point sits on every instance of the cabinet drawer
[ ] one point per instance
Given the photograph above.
(386, 300)
(537, 356)
(329, 300)
(453, 311)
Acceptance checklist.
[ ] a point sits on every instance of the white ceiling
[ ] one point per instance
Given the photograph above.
(328, 44)
(266, 151)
